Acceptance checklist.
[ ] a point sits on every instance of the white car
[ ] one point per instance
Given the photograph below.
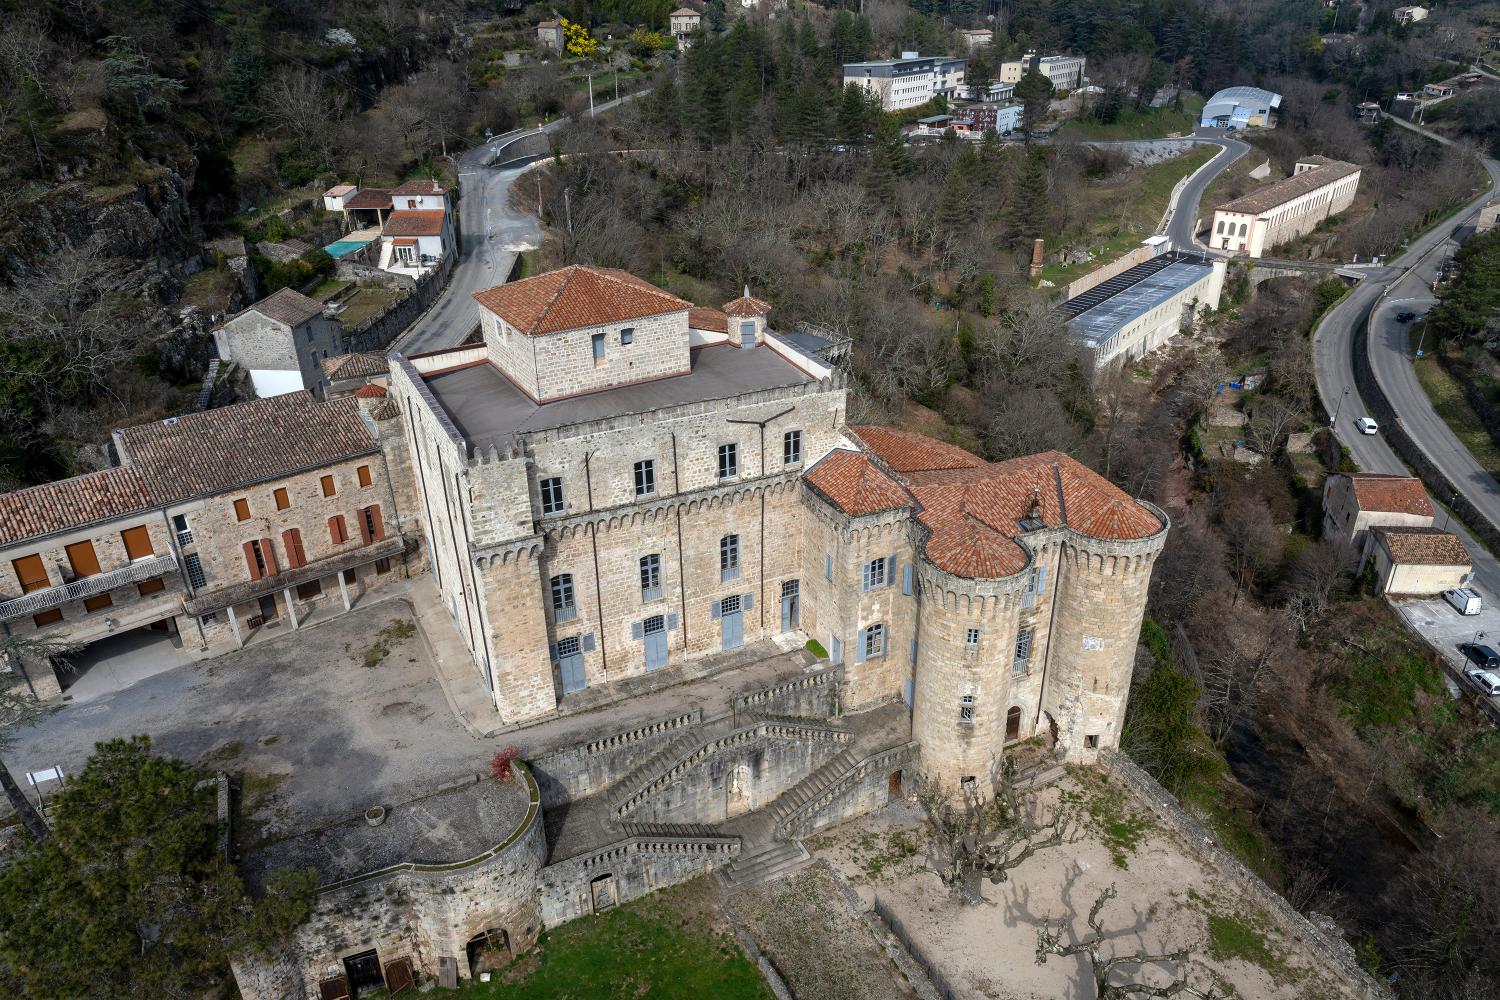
(1367, 425)
(1485, 681)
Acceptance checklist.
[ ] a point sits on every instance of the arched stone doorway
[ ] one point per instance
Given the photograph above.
(739, 798)
(1013, 724)
(488, 950)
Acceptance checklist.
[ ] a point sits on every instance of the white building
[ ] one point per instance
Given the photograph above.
(1139, 310)
(685, 22)
(1410, 15)
(907, 82)
(1285, 210)
(976, 38)
(1065, 72)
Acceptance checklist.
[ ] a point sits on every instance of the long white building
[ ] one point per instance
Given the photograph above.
(1285, 210)
(907, 82)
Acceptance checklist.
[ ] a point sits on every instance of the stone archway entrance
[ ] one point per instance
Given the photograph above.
(739, 791)
(488, 950)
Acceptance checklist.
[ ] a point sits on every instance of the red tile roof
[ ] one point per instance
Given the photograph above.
(700, 318)
(747, 305)
(577, 296)
(286, 305)
(370, 198)
(370, 391)
(426, 222)
(360, 365)
(1390, 494)
(71, 503)
(1423, 547)
(417, 187)
(974, 508)
(855, 485)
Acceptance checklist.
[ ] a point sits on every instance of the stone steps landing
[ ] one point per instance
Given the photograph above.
(776, 861)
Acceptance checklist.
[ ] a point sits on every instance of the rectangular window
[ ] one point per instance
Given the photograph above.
(338, 530)
(81, 557)
(627, 336)
(598, 340)
(307, 591)
(729, 558)
(875, 573)
(791, 448)
(654, 624)
(184, 533)
(382, 566)
(1023, 650)
(47, 617)
(1091, 742)
(645, 477)
(194, 570)
(371, 527)
(98, 603)
(729, 461)
(282, 500)
(971, 638)
(350, 576)
(828, 566)
(137, 543)
(242, 509)
(552, 496)
(966, 709)
(874, 641)
(364, 475)
(257, 559)
(571, 646)
(650, 577)
(329, 489)
(563, 608)
(209, 618)
(31, 573)
(730, 605)
(152, 586)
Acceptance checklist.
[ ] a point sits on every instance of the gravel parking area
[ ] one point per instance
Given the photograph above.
(1444, 629)
(316, 735)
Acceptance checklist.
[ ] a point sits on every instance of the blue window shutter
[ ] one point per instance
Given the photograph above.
(747, 602)
(636, 632)
(864, 576)
(1041, 580)
(890, 571)
(588, 642)
(914, 652)
(828, 565)
(859, 646)
(906, 579)
(714, 608)
(672, 622)
(837, 647)
(552, 651)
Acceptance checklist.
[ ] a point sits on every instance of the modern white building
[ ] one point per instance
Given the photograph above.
(1065, 72)
(1286, 209)
(1240, 107)
(908, 82)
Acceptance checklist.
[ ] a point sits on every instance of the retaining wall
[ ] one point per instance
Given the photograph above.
(863, 790)
(381, 331)
(814, 696)
(572, 773)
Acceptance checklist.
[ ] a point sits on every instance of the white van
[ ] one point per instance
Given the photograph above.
(1464, 600)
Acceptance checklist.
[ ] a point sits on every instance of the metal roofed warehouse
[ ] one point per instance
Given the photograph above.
(1137, 311)
(1240, 107)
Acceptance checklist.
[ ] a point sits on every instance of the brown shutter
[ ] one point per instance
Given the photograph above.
(269, 551)
(337, 532)
(250, 560)
(379, 526)
(137, 542)
(291, 540)
(242, 509)
(297, 542)
(364, 525)
(31, 573)
(328, 487)
(364, 475)
(81, 556)
(282, 500)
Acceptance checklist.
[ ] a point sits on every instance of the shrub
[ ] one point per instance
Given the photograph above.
(500, 764)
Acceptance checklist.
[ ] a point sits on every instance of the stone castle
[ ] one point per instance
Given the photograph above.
(613, 490)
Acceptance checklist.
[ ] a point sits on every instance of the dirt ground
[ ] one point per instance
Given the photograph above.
(821, 948)
(1168, 899)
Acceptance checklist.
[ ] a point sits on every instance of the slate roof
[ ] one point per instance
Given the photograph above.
(419, 186)
(360, 365)
(700, 318)
(577, 296)
(287, 306)
(973, 508)
(71, 503)
(1275, 195)
(1390, 494)
(425, 222)
(1423, 547)
(369, 198)
(199, 454)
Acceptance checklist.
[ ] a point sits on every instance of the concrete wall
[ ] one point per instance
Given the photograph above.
(1139, 255)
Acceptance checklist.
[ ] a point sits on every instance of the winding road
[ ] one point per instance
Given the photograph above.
(1378, 299)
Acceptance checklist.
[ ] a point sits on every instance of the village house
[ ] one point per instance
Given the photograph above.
(1409, 15)
(1418, 561)
(976, 38)
(1354, 502)
(281, 341)
(412, 225)
(684, 24)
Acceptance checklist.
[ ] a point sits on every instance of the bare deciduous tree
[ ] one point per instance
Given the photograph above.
(306, 108)
(18, 708)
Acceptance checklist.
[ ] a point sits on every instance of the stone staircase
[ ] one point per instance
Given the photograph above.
(654, 765)
(672, 830)
(781, 858)
(206, 391)
(811, 786)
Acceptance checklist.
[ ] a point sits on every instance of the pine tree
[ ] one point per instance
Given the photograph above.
(889, 161)
(242, 79)
(1033, 91)
(1030, 206)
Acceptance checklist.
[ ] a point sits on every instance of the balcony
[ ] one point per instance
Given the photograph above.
(89, 586)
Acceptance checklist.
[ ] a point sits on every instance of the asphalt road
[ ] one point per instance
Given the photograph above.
(493, 233)
(1181, 229)
(1405, 285)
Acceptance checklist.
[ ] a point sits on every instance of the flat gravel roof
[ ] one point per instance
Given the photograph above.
(487, 408)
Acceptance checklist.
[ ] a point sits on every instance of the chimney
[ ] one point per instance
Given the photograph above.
(1036, 258)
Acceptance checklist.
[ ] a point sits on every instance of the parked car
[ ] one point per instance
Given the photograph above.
(1405, 317)
(1464, 600)
(1484, 681)
(1482, 655)
(1367, 425)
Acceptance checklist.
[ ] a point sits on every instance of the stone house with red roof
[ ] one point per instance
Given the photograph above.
(215, 528)
(1354, 502)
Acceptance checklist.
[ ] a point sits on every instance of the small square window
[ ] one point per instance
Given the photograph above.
(552, 496)
(627, 336)
(971, 637)
(966, 709)
(1091, 742)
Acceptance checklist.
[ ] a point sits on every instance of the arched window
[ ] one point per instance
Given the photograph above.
(1244, 228)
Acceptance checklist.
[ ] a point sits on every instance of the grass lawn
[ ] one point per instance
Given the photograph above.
(672, 945)
(365, 304)
(1117, 217)
(209, 290)
(1448, 400)
(1152, 123)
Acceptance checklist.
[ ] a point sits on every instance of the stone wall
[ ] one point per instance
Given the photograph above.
(555, 365)
(393, 321)
(627, 870)
(590, 767)
(1167, 809)
(815, 696)
(864, 789)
